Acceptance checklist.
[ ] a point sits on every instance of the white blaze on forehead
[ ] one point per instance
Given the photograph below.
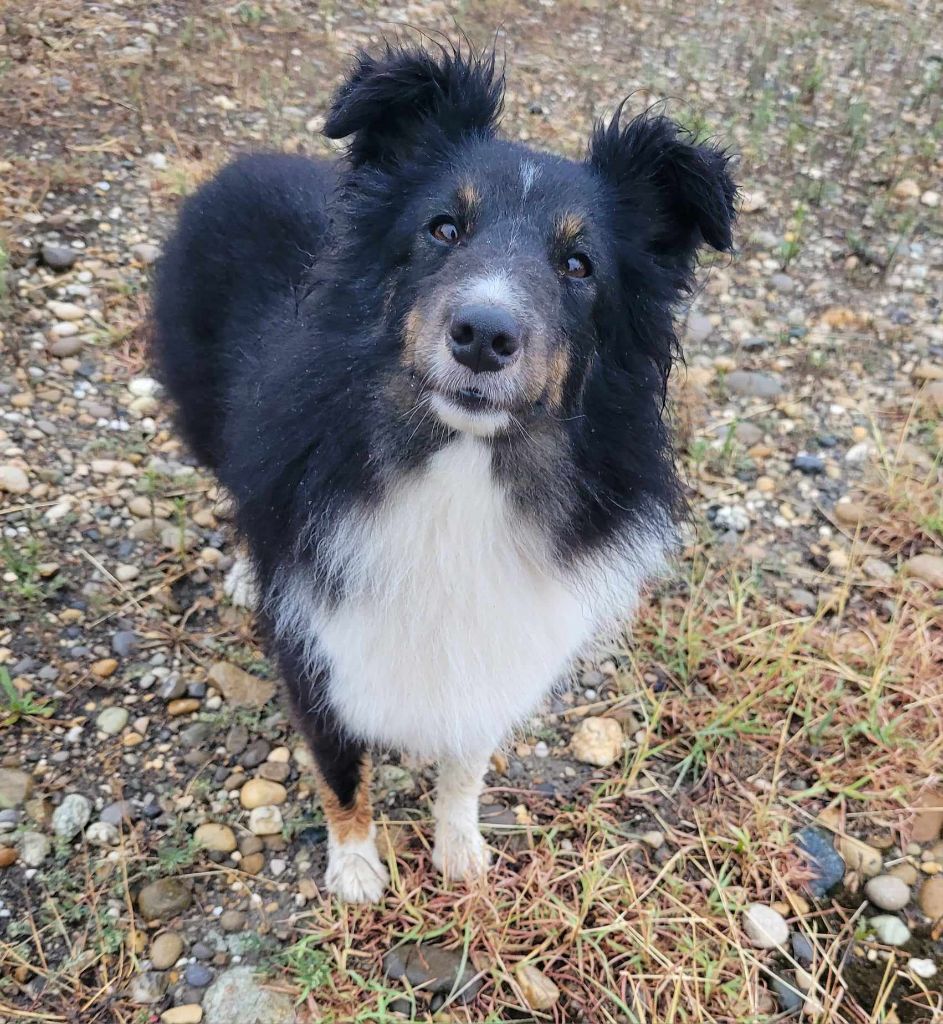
(493, 290)
(530, 172)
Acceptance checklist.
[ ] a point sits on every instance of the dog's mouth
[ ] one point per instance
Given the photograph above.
(472, 400)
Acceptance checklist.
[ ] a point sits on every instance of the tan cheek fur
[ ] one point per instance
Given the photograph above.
(349, 824)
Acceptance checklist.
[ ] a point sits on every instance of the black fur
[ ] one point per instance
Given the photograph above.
(282, 299)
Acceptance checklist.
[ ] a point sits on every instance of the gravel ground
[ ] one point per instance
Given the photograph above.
(733, 816)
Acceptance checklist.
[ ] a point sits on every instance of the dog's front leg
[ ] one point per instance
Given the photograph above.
(355, 872)
(460, 852)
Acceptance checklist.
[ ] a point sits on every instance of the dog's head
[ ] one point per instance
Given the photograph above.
(515, 277)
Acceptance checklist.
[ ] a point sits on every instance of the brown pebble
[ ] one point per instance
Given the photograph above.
(232, 920)
(183, 706)
(7, 857)
(252, 863)
(105, 667)
(275, 771)
(931, 897)
(928, 822)
(907, 873)
(250, 844)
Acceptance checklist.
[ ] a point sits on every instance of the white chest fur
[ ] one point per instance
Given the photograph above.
(456, 622)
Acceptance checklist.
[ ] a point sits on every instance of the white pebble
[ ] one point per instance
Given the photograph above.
(890, 930)
(888, 892)
(922, 968)
(765, 927)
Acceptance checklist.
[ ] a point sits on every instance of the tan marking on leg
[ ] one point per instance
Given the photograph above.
(351, 823)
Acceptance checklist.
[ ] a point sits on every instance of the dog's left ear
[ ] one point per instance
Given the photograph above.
(680, 191)
(408, 98)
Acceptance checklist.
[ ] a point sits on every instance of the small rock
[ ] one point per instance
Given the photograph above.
(58, 257)
(808, 464)
(907, 188)
(732, 517)
(782, 283)
(163, 899)
(145, 252)
(539, 992)
(261, 793)
(65, 348)
(655, 840)
(926, 567)
(922, 968)
(906, 872)
(71, 816)
(183, 706)
(212, 836)
(185, 1013)
(34, 848)
(930, 198)
(827, 862)
(850, 513)
(434, 968)
(117, 813)
(859, 856)
(699, 328)
(104, 668)
(166, 950)
(787, 994)
(887, 892)
(890, 930)
(265, 821)
(802, 948)
(102, 833)
(598, 741)
(147, 988)
(754, 385)
(764, 927)
(236, 995)
(239, 687)
(928, 823)
(112, 720)
(198, 975)
(16, 787)
(124, 643)
(8, 856)
(13, 480)
(65, 310)
(232, 920)
(930, 899)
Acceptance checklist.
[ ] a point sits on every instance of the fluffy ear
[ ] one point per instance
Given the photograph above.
(395, 102)
(681, 191)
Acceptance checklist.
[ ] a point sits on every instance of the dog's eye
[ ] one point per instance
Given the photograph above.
(445, 230)
(577, 265)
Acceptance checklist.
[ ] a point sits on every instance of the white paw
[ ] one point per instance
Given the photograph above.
(460, 853)
(355, 873)
(239, 584)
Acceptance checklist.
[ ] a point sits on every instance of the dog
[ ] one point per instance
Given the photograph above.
(432, 376)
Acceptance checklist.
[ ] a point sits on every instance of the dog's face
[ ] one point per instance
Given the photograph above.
(514, 276)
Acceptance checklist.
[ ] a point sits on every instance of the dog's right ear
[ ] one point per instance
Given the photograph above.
(407, 98)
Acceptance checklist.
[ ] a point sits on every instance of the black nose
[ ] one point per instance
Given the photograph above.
(485, 338)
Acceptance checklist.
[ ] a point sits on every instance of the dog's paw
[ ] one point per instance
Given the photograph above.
(239, 584)
(355, 873)
(460, 854)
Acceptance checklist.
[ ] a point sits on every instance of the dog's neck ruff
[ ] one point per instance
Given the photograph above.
(455, 619)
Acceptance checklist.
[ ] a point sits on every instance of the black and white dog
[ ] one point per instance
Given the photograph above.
(432, 377)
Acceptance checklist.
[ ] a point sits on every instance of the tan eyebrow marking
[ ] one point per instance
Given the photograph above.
(469, 197)
(569, 227)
